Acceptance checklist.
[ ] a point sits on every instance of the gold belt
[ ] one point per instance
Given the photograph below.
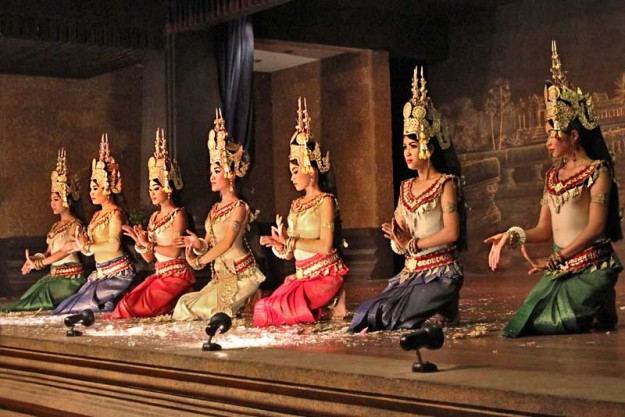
(114, 268)
(171, 266)
(244, 263)
(316, 266)
(66, 270)
(589, 256)
(431, 260)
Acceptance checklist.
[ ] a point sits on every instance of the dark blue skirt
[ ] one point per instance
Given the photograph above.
(407, 305)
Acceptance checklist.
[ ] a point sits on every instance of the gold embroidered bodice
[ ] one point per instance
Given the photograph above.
(162, 233)
(218, 221)
(59, 235)
(423, 214)
(569, 201)
(304, 221)
(99, 231)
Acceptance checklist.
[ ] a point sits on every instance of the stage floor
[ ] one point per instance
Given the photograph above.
(320, 369)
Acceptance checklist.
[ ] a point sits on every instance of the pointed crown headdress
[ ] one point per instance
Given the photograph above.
(300, 150)
(421, 118)
(105, 171)
(223, 150)
(563, 102)
(161, 167)
(62, 184)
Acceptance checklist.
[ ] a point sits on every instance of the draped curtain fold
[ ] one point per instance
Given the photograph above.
(235, 61)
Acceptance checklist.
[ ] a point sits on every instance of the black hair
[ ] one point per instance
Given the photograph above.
(446, 161)
(176, 195)
(75, 207)
(594, 145)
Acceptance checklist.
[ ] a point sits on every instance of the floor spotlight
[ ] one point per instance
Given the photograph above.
(86, 318)
(430, 337)
(219, 323)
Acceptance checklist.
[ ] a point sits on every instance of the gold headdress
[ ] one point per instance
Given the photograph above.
(564, 103)
(421, 118)
(161, 168)
(300, 140)
(62, 183)
(224, 151)
(105, 171)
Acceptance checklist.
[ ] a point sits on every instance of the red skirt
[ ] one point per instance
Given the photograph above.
(158, 293)
(301, 298)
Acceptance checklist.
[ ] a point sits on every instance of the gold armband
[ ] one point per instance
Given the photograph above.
(599, 198)
(235, 225)
(450, 207)
(328, 225)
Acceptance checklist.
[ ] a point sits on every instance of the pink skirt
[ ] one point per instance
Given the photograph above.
(301, 298)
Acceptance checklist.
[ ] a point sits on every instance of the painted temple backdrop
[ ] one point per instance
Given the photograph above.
(491, 94)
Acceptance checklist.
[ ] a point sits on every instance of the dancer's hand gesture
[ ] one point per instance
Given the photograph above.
(29, 265)
(498, 241)
(130, 232)
(191, 240)
(538, 265)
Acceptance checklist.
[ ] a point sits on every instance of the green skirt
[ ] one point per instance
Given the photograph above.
(569, 303)
(47, 293)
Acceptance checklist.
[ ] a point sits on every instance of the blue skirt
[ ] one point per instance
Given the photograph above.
(100, 294)
(409, 304)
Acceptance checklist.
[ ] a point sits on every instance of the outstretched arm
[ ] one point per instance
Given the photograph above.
(542, 232)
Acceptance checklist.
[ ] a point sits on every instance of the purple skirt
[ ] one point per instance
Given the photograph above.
(104, 287)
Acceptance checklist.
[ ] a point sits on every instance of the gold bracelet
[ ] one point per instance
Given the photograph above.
(86, 249)
(516, 236)
(203, 248)
(39, 264)
(397, 249)
(140, 249)
(413, 246)
(290, 244)
(197, 263)
(555, 261)
(283, 254)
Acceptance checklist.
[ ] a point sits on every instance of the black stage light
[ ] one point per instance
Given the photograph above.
(219, 323)
(430, 337)
(86, 318)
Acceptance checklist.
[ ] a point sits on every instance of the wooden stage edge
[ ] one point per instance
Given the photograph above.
(80, 377)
